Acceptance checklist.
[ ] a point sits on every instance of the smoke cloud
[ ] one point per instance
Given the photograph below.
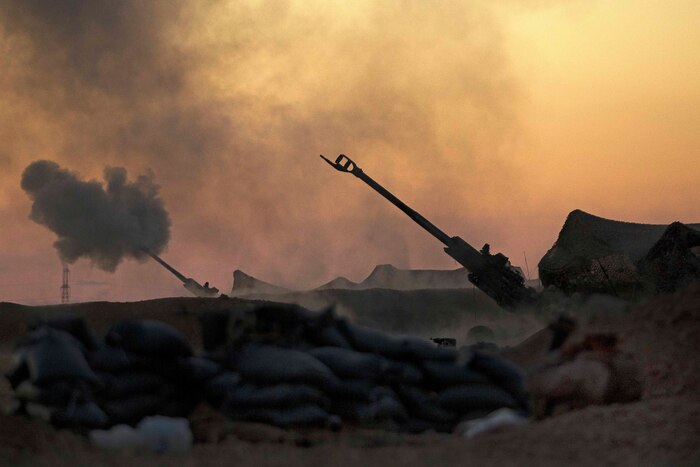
(231, 102)
(103, 223)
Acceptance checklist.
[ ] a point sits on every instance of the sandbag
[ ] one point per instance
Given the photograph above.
(19, 371)
(213, 325)
(38, 411)
(386, 408)
(420, 349)
(286, 317)
(174, 389)
(123, 385)
(330, 336)
(272, 365)
(198, 370)
(347, 363)
(217, 388)
(58, 393)
(406, 373)
(114, 360)
(167, 368)
(54, 357)
(157, 434)
(39, 334)
(149, 338)
(73, 325)
(355, 390)
(278, 396)
(371, 340)
(132, 409)
(323, 331)
(87, 416)
(303, 415)
(440, 375)
(281, 324)
(180, 406)
(502, 372)
(423, 405)
(473, 397)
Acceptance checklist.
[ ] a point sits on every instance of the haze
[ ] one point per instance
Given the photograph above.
(493, 119)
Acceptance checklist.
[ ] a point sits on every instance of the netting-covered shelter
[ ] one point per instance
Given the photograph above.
(593, 254)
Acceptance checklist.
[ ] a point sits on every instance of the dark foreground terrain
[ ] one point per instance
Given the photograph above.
(663, 428)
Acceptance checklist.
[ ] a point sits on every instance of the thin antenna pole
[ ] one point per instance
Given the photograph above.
(527, 268)
(605, 273)
(65, 286)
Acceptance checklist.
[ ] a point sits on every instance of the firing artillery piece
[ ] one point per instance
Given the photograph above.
(492, 274)
(194, 287)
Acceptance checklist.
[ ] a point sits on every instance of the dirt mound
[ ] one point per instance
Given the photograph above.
(664, 335)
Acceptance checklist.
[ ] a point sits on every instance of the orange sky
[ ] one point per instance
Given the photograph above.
(493, 119)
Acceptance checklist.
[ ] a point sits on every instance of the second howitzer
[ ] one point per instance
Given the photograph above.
(194, 287)
(492, 274)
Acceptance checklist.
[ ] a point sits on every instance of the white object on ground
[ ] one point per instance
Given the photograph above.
(156, 434)
(497, 419)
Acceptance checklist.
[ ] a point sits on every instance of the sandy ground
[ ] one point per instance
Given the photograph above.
(661, 429)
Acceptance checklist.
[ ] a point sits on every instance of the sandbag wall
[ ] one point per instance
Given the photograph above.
(287, 366)
(282, 365)
(64, 375)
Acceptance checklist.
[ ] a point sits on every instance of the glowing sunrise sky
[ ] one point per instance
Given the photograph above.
(494, 119)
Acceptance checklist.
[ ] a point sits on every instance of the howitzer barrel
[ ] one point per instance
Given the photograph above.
(490, 273)
(190, 284)
(166, 265)
(344, 164)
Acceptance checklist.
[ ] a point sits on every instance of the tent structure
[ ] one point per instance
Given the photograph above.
(593, 254)
(384, 276)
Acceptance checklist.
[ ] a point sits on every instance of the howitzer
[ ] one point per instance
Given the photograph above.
(492, 274)
(194, 287)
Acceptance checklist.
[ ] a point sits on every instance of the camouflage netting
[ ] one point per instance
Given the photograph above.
(593, 254)
(674, 261)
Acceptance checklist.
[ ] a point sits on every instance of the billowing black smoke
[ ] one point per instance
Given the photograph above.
(104, 223)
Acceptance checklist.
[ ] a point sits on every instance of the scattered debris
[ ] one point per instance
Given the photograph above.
(590, 372)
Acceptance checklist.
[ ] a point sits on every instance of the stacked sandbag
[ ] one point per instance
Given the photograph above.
(51, 377)
(274, 385)
(142, 368)
(287, 366)
(148, 368)
(277, 364)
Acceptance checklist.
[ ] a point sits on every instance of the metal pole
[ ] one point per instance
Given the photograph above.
(526, 266)
(344, 164)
